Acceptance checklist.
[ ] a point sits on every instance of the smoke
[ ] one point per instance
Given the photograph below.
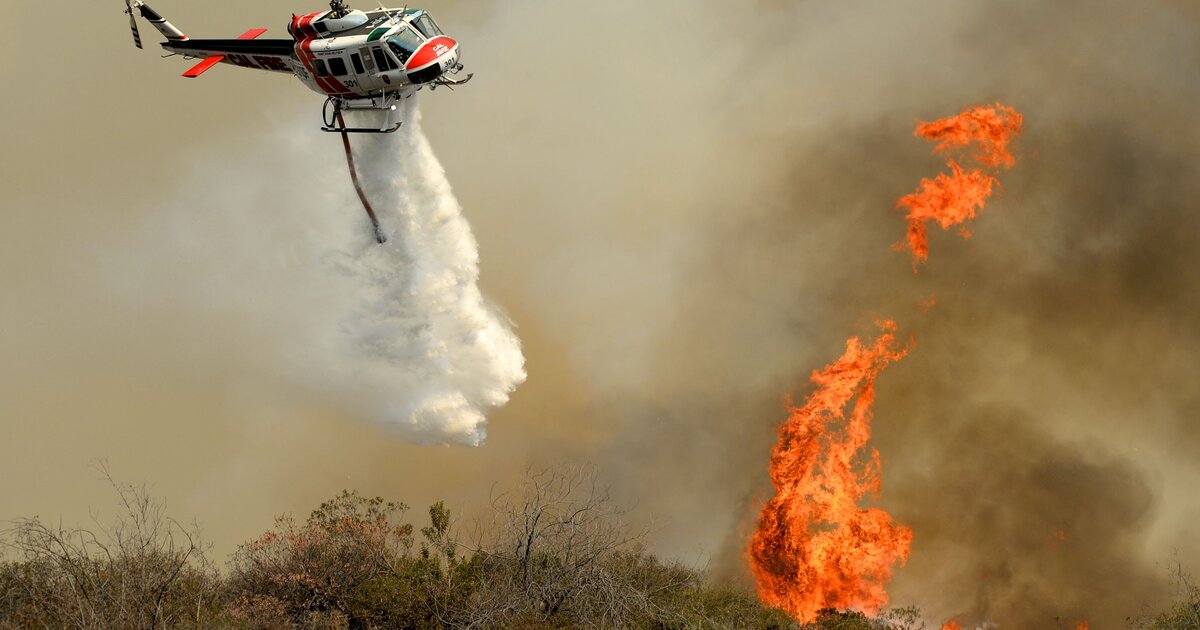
(780, 189)
(397, 333)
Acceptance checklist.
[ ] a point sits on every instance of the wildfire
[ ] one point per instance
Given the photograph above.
(815, 547)
(956, 198)
(952, 625)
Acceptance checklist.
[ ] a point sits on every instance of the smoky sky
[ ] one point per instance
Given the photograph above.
(685, 209)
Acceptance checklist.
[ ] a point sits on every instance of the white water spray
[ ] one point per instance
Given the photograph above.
(271, 282)
(420, 343)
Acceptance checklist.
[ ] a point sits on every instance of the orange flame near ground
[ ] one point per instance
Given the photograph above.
(952, 625)
(954, 199)
(814, 547)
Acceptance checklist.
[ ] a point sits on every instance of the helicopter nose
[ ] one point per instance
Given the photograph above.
(432, 59)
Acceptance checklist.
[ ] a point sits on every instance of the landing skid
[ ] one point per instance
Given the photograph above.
(359, 129)
(387, 105)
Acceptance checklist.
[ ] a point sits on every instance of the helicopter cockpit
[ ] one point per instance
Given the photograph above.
(404, 43)
(420, 37)
(411, 35)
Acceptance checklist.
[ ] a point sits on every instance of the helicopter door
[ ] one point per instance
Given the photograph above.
(364, 69)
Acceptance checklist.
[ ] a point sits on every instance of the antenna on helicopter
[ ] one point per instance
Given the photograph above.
(388, 12)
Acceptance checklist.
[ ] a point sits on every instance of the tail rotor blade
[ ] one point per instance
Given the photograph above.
(137, 37)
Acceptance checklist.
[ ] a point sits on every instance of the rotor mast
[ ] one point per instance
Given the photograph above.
(338, 8)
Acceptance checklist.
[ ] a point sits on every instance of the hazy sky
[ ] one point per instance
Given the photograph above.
(685, 208)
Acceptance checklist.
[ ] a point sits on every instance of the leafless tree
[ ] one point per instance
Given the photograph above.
(144, 570)
(558, 547)
(1185, 610)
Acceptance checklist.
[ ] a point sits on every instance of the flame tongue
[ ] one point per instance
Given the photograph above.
(991, 127)
(815, 548)
(948, 200)
(954, 199)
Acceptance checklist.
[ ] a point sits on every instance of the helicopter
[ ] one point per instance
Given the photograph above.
(356, 59)
(359, 60)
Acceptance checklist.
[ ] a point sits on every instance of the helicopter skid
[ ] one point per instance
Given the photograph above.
(386, 104)
(361, 129)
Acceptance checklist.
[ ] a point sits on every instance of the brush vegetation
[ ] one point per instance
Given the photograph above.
(554, 553)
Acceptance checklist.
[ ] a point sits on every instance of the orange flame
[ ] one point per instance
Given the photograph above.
(954, 199)
(1082, 625)
(952, 625)
(814, 547)
(992, 127)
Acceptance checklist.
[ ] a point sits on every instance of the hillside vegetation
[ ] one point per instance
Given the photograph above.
(554, 553)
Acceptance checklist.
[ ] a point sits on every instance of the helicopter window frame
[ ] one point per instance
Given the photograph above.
(368, 59)
(319, 68)
(357, 62)
(337, 66)
(425, 24)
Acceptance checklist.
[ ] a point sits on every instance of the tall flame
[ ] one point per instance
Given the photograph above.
(815, 547)
(954, 199)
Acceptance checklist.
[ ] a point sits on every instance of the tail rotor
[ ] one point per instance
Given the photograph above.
(137, 37)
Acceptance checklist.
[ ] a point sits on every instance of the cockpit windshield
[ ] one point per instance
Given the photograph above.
(427, 26)
(404, 42)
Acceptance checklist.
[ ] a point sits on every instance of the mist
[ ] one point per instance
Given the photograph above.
(683, 214)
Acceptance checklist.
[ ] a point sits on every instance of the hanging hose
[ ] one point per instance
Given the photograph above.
(362, 196)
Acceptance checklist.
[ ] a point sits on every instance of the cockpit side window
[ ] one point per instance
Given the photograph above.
(404, 43)
(427, 26)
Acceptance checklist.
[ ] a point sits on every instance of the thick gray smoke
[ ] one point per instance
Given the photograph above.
(1037, 436)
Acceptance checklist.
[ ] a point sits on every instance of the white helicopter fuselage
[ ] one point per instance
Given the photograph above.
(364, 54)
(362, 59)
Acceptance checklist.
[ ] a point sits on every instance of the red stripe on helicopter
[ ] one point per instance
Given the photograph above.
(337, 85)
(302, 25)
(307, 57)
(304, 34)
(431, 52)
